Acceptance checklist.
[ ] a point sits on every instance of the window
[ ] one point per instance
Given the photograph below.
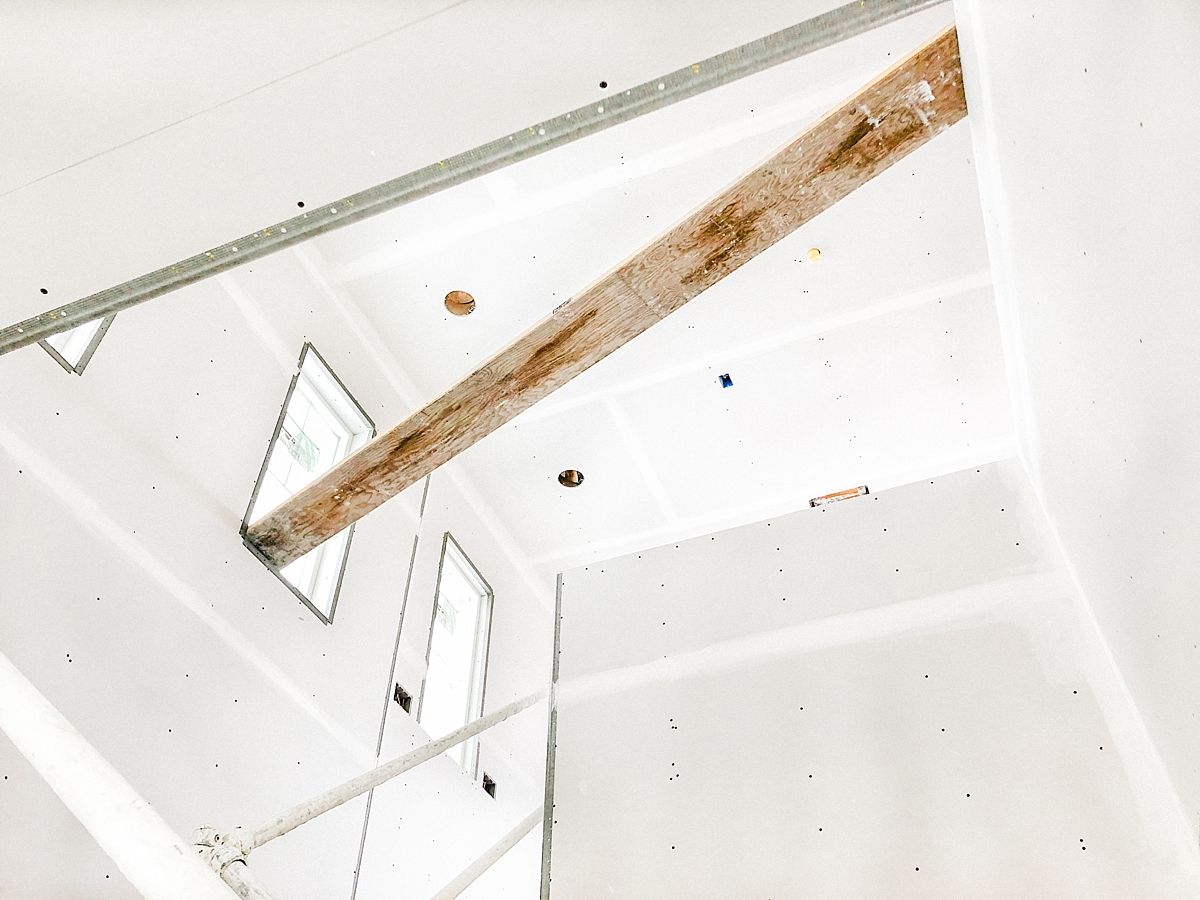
(73, 349)
(456, 661)
(319, 426)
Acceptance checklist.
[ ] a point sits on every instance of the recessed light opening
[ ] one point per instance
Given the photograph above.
(460, 303)
(570, 478)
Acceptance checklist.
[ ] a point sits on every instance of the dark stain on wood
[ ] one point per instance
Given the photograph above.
(542, 361)
(842, 154)
(726, 230)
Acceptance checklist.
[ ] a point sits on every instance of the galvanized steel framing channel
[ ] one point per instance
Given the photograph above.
(813, 34)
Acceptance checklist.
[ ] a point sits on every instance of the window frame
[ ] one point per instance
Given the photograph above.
(86, 357)
(472, 752)
(262, 472)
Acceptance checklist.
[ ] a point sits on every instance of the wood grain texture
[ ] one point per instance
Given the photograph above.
(902, 109)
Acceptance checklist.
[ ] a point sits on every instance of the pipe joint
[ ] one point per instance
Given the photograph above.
(220, 849)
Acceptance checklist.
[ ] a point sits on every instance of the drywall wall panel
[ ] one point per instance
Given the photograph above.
(760, 712)
(430, 824)
(43, 821)
(1085, 122)
(836, 559)
(190, 667)
(190, 722)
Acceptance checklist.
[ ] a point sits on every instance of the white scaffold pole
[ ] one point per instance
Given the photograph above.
(468, 875)
(238, 876)
(157, 862)
(331, 799)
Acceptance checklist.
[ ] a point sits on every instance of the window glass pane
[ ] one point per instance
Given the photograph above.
(319, 427)
(457, 653)
(72, 344)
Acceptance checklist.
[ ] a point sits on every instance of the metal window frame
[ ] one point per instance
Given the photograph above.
(88, 351)
(447, 540)
(551, 746)
(274, 570)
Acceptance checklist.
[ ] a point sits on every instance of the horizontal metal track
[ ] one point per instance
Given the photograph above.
(813, 34)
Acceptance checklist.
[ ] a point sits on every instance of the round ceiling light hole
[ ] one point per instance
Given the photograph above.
(814, 254)
(570, 478)
(460, 303)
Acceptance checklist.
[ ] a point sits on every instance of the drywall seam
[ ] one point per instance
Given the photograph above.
(253, 314)
(633, 446)
(244, 94)
(943, 290)
(90, 514)
(997, 224)
(958, 608)
(317, 269)
(796, 112)
(780, 504)
(538, 586)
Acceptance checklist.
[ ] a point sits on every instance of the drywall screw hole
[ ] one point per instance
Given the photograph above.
(300, 203)
(603, 85)
(460, 303)
(44, 291)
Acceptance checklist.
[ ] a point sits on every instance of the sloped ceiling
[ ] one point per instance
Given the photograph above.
(145, 133)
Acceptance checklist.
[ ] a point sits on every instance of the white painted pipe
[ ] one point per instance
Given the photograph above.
(335, 797)
(468, 875)
(156, 861)
(239, 877)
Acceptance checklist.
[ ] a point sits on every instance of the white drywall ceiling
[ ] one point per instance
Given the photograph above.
(310, 105)
(877, 364)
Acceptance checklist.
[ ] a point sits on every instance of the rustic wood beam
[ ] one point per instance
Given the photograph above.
(918, 98)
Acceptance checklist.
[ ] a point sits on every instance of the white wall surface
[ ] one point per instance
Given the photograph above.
(130, 602)
(895, 696)
(1086, 118)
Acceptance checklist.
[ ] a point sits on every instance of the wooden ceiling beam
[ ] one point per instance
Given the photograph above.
(918, 98)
